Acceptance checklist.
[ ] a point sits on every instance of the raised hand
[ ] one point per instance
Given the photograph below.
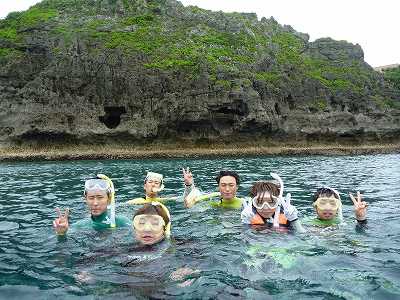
(247, 213)
(187, 176)
(360, 207)
(289, 210)
(61, 223)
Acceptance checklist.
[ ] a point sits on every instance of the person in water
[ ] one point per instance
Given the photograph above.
(268, 207)
(99, 195)
(153, 184)
(328, 207)
(228, 183)
(152, 223)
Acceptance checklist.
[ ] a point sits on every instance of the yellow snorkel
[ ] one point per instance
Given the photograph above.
(168, 225)
(111, 206)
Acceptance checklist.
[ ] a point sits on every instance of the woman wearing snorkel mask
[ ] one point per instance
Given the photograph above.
(328, 206)
(268, 207)
(153, 184)
(152, 223)
(100, 199)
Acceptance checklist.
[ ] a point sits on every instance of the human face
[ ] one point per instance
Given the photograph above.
(327, 207)
(227, 187)
(97, 202)
(261, 206)
(149, 187)
(149, 229)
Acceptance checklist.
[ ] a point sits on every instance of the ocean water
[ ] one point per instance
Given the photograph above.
(232, 261)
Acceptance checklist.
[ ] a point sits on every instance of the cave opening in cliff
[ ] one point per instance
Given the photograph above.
(112, 117)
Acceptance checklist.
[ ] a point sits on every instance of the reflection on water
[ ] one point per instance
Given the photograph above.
(234, 261)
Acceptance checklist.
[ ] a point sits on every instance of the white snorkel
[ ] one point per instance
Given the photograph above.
(111, 206)
(158, 177)
(279, 200)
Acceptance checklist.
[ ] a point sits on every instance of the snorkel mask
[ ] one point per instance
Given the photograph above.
(325, 203)
(274, 202)
(155, 222)
(97, 184)
(278, 209)
(334, 204)
(103, 183)
(157, 177)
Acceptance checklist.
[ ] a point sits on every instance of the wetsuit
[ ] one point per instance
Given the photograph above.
(101, 222)
(235, 203)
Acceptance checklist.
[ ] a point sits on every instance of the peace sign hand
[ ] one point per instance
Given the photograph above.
(61, 223)
(187, 176)
(360, 207)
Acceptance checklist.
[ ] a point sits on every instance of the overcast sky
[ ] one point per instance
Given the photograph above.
(374, 24)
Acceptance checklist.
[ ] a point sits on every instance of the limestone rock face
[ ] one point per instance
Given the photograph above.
(100, 71)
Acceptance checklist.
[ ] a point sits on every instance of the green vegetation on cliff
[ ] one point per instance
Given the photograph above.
(393, 76)
(169, 68)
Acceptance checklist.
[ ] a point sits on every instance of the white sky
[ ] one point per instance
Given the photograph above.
(374, 24)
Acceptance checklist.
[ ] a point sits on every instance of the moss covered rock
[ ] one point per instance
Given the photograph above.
(92, 71)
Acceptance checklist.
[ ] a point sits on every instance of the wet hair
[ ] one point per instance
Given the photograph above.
(228, 173)
(150, 209)
(264, 186)
(324, 192)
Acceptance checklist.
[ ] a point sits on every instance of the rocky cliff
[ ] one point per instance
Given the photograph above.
(138, 70)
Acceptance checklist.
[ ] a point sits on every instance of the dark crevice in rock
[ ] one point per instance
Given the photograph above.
(201, 128)
(112, 117)
(36, 135)
(236, 108)
(290, 101)
(277, 109)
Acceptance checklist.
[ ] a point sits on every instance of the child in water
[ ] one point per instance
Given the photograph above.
(268, 207)
(328, 207)
(151, 223)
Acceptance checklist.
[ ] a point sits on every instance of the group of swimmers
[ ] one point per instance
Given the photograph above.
(152, 221)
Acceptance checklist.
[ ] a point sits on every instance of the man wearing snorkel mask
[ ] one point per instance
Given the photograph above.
(153, 184)
(268, 207)
(228, 183)
(328, 206)
(99, 195)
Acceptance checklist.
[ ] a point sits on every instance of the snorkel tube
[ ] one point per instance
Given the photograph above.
(155, 176)
(278, 208)
(167, 231)
(111, 206)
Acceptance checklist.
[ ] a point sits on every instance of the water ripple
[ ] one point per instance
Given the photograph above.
(234, 261)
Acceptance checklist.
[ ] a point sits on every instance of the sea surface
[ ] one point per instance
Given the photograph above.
(230, 260)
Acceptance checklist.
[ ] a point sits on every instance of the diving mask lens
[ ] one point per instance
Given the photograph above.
(324, 203)
(150, 222)
(96, 184)
(261, 203)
